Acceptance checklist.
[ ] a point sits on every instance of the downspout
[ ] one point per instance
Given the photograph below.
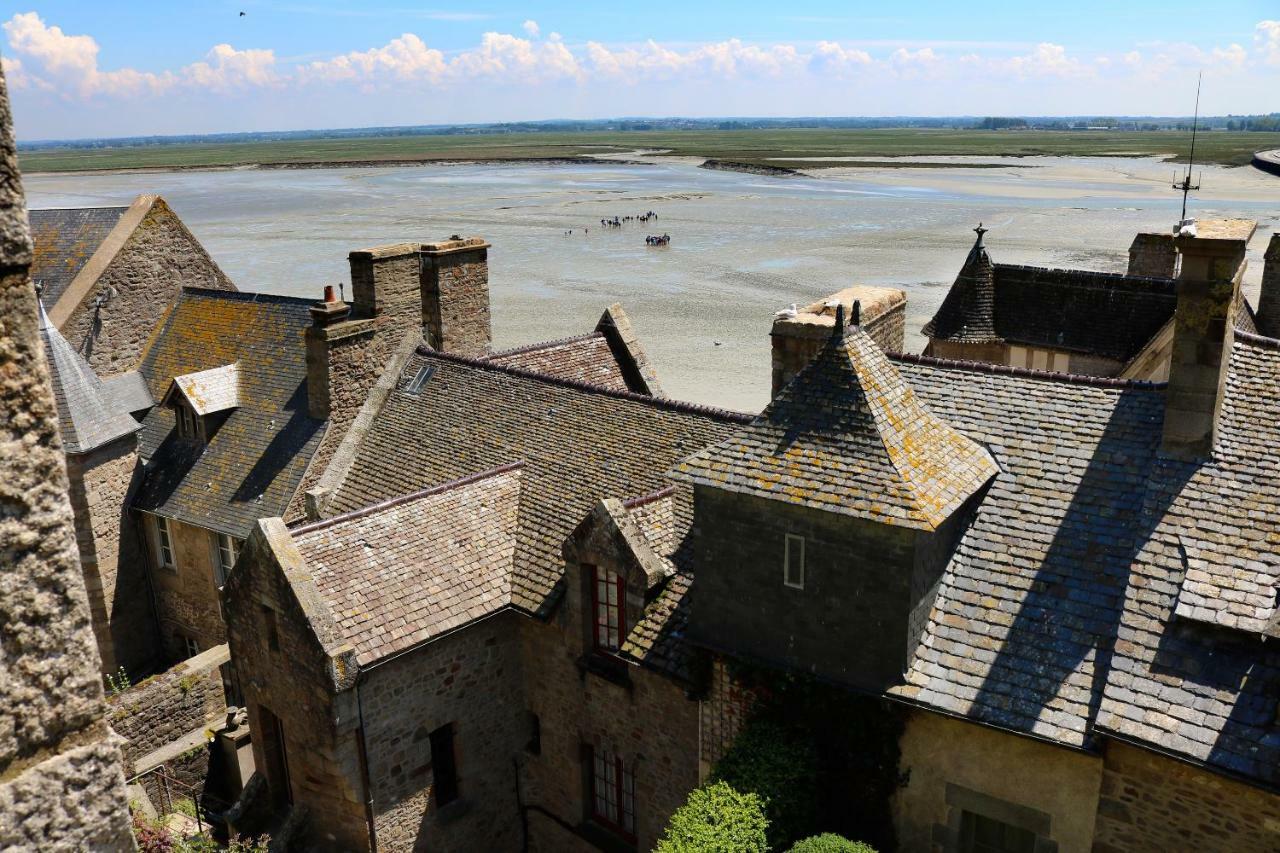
(364, 768)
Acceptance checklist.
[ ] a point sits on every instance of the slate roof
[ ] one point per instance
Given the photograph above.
(65, 239)
(579, 443)
(1030, 600)
(587, 358)
(1096, 313)
(398, 574)
(1192, 672)
(207, 391)
(847, 435)
(255, 458)
(88, 415)
(129, 391)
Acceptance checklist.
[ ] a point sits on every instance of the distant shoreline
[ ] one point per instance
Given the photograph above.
(339, 164)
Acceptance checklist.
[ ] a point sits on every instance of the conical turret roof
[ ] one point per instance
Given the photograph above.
(87, 415)
(848, 435)
(968, 312)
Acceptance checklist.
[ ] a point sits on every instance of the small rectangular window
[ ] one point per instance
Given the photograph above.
(613, 793)
(189, 645)
(164, 539)
(793, 562)
(273, 633)
(980, 834)
(607, 607)
(444, 768)
(228, 548)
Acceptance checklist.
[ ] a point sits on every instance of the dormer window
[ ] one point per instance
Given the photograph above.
(202, 401)
(607, 608)
(190, 425)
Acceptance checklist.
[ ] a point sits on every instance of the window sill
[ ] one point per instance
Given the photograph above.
(607, 666)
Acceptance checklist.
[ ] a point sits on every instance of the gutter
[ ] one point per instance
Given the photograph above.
(364, 768)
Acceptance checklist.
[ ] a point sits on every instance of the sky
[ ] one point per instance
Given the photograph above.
(105, 68)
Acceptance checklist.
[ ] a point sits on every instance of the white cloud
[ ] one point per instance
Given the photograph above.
(14, 76)
(1047, 60)
(71, 62)
(403, 58)
(228, 68)
(831, 58)
(1267, 37)
(531, 29)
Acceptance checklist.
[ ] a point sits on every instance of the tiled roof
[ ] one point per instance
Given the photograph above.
(129, 391)
(88, 415)
(847, 435)
(1192, 672)
(399, 574)
(1097, 313)
(582, 359)
(207, 391)
(580, 444)
(1030, 600)
(65, 239)
(255, 458)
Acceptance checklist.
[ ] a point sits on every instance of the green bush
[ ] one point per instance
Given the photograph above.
(829, 842)
(777, 764)
(716, 819)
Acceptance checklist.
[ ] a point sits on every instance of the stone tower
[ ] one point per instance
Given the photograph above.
(61, 777)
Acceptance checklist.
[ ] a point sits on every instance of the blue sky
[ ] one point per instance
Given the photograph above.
(79, 69)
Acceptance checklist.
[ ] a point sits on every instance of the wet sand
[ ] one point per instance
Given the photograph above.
(742, 246)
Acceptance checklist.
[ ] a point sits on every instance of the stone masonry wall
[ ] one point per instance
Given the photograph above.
(61, 784)
(114, 563)
(1150, 802)
(1153, 255)
(187, 597)
(165, 707)
(647, 719)
(470, 679)
(455, 303)
(319, 728)
(1268, 314)
(160, 258)
(722, 715)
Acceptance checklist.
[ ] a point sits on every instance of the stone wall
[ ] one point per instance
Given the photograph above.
(61, 784)
(722, 714)
(645, 718)
(113, 559)
(455, 296)
(1153, 255)
(319, 726)
(470, 679)
(189, 696)
(158, 259)
(1150, 802)
(954, 766)
(187, 597)
(960, 351)
(1268, 314)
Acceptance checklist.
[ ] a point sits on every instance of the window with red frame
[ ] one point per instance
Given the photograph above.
(613, 793)
(607, 608)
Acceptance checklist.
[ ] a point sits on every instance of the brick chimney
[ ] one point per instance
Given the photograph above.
(455, 295)
(1268, 315)
(1153, 255)
(335, 344)
(1207, 287)
(798, 335)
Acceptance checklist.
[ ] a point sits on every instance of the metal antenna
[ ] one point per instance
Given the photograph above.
(1185, 184)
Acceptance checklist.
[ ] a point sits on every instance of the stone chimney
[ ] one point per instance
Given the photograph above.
(385, 283)
(799, 334)
(455, 296)
(1268, 315)
(1207, 287)
(334, 343)
(1153, 255)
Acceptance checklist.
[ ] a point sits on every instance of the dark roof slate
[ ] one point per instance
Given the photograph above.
(397, 575)
(1192, 672)
(256, 457)
(966, 313)
(847, 435)
(583, 359)
(65, 239)
(579, 443)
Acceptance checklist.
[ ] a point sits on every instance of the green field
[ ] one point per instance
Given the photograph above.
(769, 147)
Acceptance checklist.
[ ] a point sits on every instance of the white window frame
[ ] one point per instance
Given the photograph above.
(226, 548)
(792, 543)
(165, 554)
(190, 645)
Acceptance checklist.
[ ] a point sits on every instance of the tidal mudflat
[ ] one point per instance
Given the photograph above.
(742, 246)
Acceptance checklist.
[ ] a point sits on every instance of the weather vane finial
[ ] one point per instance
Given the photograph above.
(980, 231)
(1185, 184)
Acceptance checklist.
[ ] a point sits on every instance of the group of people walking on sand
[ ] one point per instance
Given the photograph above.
(618, 221)
(660, 240)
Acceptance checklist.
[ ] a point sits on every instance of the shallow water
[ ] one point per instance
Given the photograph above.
(742, 246)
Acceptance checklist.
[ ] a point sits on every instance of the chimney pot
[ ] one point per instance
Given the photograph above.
(329, 294)
(330, 310)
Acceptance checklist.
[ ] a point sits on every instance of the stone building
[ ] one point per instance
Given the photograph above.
(1063, 581)
(107, 275)
(61, 784)
(1073, 321)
